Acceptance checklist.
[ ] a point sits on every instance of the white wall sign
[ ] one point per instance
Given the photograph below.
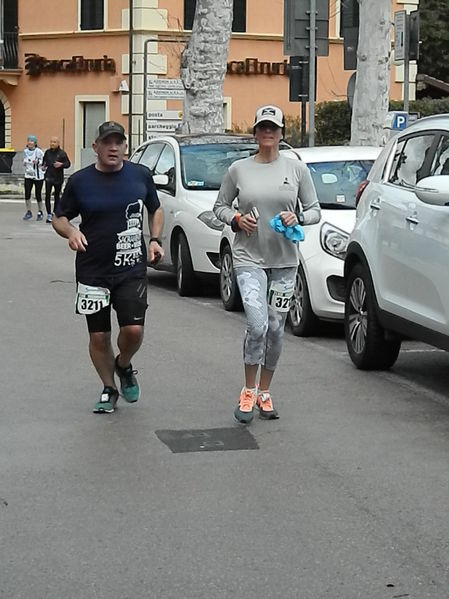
(165, 94)
(166, 126)
(400, 22)
(164, 114)
(164, 84)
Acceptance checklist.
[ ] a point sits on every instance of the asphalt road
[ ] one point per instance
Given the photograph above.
(344, 497)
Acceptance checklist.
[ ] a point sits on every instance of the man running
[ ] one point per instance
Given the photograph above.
(111, 258)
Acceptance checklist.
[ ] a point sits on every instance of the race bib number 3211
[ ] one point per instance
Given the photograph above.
(90, 299)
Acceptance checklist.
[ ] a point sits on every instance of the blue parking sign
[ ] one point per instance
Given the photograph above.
(399, 120)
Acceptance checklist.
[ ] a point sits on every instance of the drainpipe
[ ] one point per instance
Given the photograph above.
(130, 77)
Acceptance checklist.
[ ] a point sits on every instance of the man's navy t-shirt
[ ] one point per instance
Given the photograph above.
(111, 206)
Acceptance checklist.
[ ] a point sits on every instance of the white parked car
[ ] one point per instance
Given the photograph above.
(337, 172)
(397, 262)
(187, 171)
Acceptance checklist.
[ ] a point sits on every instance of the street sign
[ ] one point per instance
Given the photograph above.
(165, 89)
(400, 24)
(155, 115)
(165, 94)
(165, 126)
(350, 89)
(396, 120)
(164, 84)
(297, 28)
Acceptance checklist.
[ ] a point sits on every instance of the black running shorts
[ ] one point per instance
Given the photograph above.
(128, 298)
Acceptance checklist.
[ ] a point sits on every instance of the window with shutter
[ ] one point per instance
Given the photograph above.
(238, 22)
(92, 14)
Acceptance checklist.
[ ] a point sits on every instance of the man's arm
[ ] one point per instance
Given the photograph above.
(65, 161)
(155, 224)
(64, 228)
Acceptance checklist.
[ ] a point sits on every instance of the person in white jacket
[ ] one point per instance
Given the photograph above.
(34, 175)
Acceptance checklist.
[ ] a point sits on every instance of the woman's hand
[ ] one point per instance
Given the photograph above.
(247, 223)
(288, 218)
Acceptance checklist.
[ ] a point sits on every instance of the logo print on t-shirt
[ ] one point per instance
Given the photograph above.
(129, 243)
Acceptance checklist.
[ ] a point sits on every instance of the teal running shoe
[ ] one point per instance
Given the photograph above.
(129, 387)
(107, 402)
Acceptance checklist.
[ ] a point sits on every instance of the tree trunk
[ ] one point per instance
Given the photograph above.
(203, 66)
(372, 87)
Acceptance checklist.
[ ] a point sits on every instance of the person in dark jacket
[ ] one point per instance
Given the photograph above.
(54, 162)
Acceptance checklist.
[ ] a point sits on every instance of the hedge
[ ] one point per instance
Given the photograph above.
(333, 120)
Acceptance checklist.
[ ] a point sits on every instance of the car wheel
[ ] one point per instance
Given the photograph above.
(303, 321)
(229, 291)
(367, 344)
(185, 275)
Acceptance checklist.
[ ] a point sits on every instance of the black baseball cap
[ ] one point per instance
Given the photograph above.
(108, 128)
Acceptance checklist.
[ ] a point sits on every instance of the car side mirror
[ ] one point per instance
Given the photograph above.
(434, 190)
(160, 180)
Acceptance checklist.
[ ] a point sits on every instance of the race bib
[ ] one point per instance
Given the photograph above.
(279, 295)
(90, 300)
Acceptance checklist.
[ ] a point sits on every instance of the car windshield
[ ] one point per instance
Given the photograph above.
(203, 166)
(337, 182)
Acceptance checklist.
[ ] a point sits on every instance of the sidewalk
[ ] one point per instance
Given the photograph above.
(12, 198)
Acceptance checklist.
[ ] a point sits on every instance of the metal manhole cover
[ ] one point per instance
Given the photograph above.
(211, 439)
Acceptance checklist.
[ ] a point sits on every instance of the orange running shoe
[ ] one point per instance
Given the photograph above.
(244, 412)
(265, 406)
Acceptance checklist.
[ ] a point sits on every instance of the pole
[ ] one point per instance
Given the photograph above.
(312, 56)
(303, 121)
(130, 77)
(406, 63)
(145, 87)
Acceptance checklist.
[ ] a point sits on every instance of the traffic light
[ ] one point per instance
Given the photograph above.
(349, 31)
(413, 32)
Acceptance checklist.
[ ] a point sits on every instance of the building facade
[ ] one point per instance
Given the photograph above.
(67, 67)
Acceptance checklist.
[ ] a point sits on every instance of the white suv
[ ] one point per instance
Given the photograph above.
(397, 262)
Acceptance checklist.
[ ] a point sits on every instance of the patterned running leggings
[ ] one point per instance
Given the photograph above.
(265, 326)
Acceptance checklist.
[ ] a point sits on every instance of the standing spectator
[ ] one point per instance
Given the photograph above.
(112, 196)
(54, 162)
(34, 175)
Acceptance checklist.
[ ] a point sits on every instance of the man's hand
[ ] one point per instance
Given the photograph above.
(155, 253)
(77, 241)
(57, 164)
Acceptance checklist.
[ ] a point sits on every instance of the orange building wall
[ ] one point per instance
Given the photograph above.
(265, 17)
(45, 105)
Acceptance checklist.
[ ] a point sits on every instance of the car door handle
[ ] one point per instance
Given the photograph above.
(375, 204)
(412, 219)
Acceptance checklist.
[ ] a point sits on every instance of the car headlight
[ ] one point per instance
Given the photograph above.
(334, 241)
(209, 219)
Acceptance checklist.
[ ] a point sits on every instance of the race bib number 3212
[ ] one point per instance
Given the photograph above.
(280, 295)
